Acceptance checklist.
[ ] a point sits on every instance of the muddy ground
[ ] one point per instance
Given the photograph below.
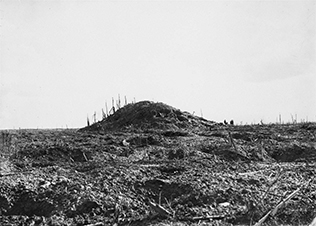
(150, 164)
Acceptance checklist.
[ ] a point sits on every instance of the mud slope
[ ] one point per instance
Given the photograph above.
(149, 115)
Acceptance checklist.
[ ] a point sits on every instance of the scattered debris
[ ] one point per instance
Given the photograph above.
(152, 164)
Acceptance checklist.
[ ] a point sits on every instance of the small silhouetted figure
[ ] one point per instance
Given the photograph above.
(225, 122)
(231, 122)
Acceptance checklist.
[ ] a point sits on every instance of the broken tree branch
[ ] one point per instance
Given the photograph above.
(278, 206)
(159, 209)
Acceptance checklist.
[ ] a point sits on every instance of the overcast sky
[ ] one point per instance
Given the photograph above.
(241, 60)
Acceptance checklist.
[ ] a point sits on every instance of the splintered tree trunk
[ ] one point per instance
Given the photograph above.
(118, 105)
(106, 109)
(103, 114)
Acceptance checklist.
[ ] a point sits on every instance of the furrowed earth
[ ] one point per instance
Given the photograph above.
(152, 164)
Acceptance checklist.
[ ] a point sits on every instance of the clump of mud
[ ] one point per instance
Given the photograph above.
(149, 115)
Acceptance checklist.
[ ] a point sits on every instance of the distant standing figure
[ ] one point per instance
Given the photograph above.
(231, 122)
(225, 122)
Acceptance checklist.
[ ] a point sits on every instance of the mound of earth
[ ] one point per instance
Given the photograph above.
(149, 115)
(227, 175)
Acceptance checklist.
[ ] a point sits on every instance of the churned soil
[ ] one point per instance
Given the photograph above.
(152, 164)
(148, 115)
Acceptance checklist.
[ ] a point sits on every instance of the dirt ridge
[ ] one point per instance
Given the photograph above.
(149, 115)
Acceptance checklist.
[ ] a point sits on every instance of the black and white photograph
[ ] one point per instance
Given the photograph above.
(157, 112)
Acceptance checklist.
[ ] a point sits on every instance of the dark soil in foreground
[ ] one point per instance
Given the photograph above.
(152, 164)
